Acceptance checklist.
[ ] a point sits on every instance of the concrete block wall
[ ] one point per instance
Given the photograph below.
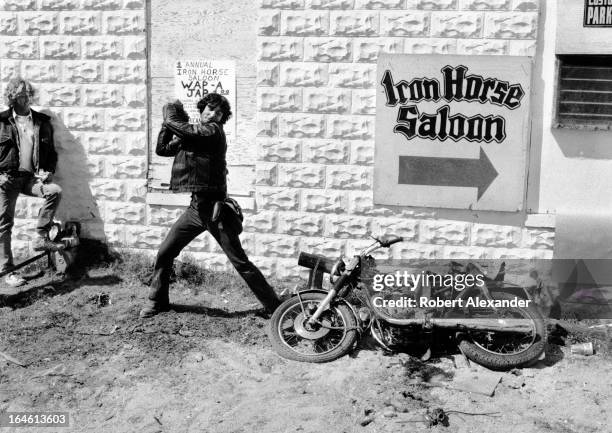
(315, 104)
(316, 83)
(87, 60)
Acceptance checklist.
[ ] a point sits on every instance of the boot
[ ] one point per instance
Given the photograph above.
(157, 303)
(152, 308)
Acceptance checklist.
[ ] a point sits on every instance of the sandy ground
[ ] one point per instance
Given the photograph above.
(208, 367)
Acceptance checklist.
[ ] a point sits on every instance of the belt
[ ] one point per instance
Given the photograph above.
(17, 173)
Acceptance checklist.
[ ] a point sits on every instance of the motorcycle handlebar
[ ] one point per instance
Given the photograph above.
(381, 243)
(390, 241)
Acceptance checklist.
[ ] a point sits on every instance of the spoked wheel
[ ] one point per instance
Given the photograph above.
(293, 337)
(501, 351)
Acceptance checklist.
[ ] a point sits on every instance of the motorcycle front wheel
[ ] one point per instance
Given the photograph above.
(503, 351)
(293, 338)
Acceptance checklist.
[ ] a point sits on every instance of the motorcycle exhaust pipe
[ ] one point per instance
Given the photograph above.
(494, 325)
(480, 324)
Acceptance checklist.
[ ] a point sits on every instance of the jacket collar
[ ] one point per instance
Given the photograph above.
(29, 115)
(36, 116)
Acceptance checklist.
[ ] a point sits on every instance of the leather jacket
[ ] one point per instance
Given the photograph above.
(44, 155)
(199, 153)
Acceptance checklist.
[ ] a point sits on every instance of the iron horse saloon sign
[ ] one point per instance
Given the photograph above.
(452, 131)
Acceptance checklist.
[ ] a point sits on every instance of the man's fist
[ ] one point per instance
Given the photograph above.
(176, 110)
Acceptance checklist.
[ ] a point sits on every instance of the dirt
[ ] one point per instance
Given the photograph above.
(207, 366)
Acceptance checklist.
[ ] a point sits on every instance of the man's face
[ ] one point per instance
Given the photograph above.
(207, 115)
(22, 101)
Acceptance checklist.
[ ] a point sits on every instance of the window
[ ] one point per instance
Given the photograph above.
(584, 91)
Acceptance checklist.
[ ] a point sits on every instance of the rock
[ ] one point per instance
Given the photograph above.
(514, 382)
(389, 412)
(459, 361)
(438, 378)
(185, 332)
(366, 420)
(195, 357)
(400, 406)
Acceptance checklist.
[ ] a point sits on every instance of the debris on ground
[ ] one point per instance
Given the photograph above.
(368, 417)
(186, 332)
(13, 360)
(103, 300)
(514, 382)
(433, 417)
(585, 349)
(481, 381)
(58, 370)
(605, 325)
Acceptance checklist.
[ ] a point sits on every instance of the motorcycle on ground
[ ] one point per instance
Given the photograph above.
(316, 325)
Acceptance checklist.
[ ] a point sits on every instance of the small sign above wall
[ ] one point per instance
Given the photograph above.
(452, 131)
(583, 27)
(597, 13)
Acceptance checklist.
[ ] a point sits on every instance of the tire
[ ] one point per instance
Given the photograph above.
(282, 332)
(495, 360)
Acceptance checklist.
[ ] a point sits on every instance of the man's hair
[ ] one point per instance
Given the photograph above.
(14, 87)
(214, 102)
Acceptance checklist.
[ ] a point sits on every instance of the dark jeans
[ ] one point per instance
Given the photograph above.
(10, 187)
(194, 221)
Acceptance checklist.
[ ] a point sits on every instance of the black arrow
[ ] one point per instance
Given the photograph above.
(425, 170)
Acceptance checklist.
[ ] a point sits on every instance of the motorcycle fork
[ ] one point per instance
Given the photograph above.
(376, 323)
(301, 304)
(322, 307)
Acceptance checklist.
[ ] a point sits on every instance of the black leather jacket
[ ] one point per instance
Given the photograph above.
(43, 153)
(199, 153)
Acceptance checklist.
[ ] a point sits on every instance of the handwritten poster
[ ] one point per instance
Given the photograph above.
(194, 79)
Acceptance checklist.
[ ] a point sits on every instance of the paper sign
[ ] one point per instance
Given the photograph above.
(194, 79)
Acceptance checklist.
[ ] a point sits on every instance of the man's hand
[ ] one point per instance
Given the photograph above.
(175, 109)
(176, 143)
(44, 176)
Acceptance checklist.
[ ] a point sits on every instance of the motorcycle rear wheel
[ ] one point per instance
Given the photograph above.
(499, 351)
(293, 338)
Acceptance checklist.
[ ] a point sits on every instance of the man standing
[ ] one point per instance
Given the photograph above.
(27, 161)
(200, 168)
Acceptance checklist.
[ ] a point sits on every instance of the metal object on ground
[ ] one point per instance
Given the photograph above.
(24, 263)
(583, 348)
(63, 255)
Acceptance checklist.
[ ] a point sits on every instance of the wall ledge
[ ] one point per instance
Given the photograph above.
(541, 220)
(165, 199)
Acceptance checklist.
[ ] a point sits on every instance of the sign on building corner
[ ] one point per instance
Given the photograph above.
(597, 13)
